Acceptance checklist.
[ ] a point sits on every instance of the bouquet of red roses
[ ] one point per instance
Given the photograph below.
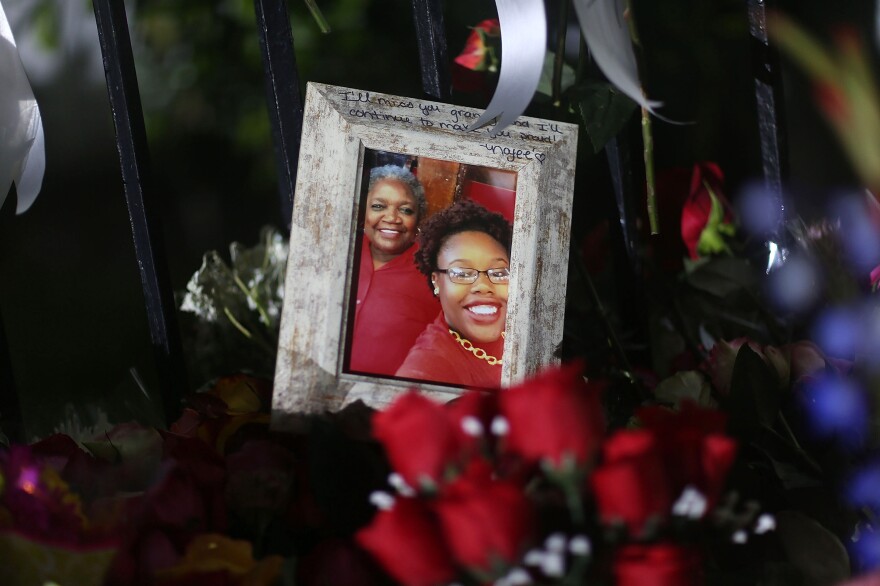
(526, 485)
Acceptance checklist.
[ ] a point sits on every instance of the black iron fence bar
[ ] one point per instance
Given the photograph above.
(11, 422)
(768, 96)
(131, 141)
(282, 95)
(431, 37)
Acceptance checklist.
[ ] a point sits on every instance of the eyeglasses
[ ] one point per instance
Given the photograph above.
(464, 276)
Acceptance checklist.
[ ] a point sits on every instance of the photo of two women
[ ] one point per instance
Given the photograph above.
(431, 271)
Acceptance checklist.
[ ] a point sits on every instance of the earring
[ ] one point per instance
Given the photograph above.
(436, 290)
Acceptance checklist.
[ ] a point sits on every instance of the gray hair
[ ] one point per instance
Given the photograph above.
(405, 176)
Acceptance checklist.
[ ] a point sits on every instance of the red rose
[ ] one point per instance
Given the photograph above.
(478, 52)
(337, 561)
(484, 520)
(804, 357)
(658, 565)
(706, 216)
(199, 473)
(406, 541)
(722, 359)
(470, 416)
(695, 451)
(554, 417)
(419, 439)
(260, 477)
(479, 56)
(631, 485)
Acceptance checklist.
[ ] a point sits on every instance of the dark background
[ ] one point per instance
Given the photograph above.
(70, 293)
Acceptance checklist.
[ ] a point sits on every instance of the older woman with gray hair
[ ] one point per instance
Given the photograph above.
(393, 306)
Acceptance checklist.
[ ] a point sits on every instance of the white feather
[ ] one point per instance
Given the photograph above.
(22, 145)
(607, 35)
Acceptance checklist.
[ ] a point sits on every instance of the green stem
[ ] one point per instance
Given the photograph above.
(559, 57)
(648, 154)
(264, 316)
(583, 59)
(237, 324)
(318, 16)
(613, 340)
(574, 502)
(258, 340)
(647, 134)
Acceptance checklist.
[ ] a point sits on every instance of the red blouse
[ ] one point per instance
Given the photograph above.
(394, 305)
(438, 357)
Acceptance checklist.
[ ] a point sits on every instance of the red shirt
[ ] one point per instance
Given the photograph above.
(394, 305)
(438, 357)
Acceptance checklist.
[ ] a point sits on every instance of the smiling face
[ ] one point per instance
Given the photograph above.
(477, 311)
(391, 219)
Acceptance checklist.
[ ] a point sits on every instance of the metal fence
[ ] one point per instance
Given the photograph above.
(285, 112)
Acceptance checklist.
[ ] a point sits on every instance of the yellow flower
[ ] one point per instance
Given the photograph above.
(213, 552)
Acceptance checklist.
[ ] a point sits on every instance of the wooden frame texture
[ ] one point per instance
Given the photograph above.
(339, 123)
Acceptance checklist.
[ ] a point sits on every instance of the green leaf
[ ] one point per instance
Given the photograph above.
(545, 84)
(685, 385)
(754, 398)
(604, 111)
(813, 549)
(712, 237)
(722, 277)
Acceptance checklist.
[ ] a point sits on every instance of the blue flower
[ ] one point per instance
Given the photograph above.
(837, 408)
(865, 551)
(863, 488)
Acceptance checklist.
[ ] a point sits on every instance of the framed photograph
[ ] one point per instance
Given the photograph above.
(423, 254)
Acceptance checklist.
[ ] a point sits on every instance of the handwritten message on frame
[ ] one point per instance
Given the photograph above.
(339, 124)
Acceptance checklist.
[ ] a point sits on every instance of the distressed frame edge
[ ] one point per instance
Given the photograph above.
(298, 395)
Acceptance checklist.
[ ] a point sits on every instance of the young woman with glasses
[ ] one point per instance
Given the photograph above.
(464, 251)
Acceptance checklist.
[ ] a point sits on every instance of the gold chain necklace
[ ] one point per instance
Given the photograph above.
(478, 352)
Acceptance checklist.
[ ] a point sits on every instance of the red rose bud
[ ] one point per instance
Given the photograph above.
(555, 418)
(722, 359)
(658, 565)
(485, 521)
(406, 541)
(706, 217)
(478, 54)
(419, 439)
(631, 485)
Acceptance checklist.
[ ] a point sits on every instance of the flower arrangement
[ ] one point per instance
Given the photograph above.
(733, 440)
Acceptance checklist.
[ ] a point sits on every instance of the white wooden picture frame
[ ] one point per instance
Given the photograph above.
(339, 125)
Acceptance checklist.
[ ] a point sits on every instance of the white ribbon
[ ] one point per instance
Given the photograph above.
(523, 44)
(607, 35)
(22, 146)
